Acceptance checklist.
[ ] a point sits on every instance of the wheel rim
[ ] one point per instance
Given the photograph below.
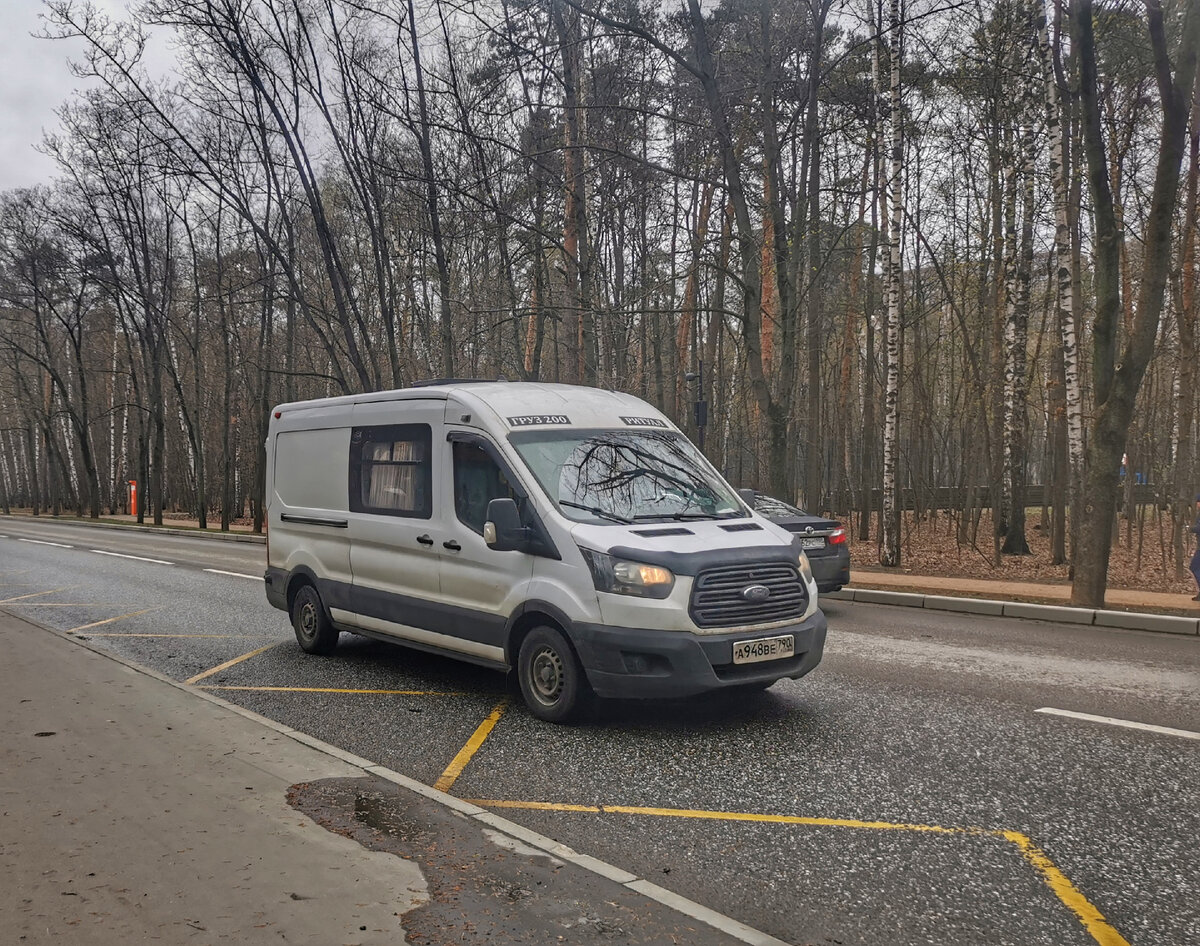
(546, 675)
(308, 620)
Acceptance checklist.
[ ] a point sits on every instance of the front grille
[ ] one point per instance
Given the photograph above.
(717, 595)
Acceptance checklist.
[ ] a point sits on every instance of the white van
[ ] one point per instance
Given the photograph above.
(571, 533)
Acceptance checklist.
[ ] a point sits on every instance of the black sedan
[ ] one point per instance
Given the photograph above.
(823, 540)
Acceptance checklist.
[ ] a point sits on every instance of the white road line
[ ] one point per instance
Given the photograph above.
(136, 558)
(217, 571)
(57, 545)
(1127, 723)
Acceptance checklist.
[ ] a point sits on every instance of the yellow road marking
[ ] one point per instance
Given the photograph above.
(228, 663)
(60, 604)
(36, 594)
(1068, 894)
(334, 690)
(225, 637)
(788, 819)
(534, 805)
(459, 762)
(704, 814)
(1076, 902)
(119, 617)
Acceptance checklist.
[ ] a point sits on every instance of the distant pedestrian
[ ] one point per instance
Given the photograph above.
(1195, 564)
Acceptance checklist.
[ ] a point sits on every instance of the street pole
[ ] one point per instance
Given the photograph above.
(701, 405)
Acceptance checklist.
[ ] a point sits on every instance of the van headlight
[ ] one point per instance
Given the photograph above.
(620, 576)
(805, 569)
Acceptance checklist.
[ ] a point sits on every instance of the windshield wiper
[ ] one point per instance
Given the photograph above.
(596, 511)
(677, 516)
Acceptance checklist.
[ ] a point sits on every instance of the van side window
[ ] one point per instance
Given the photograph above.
(391, 471)
(477, 481)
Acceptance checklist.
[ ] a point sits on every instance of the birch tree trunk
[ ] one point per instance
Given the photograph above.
(4, 487)
(890, 552)
(1008, 328)
(1015, 542)
(1063, 269)
(1187, 310)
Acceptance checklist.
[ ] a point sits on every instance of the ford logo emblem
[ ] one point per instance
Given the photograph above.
(756, 593)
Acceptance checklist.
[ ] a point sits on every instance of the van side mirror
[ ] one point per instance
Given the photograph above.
(503, 530)
(747, 497)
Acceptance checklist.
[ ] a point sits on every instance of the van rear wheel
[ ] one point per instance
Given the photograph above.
(552, 681)
(315, 633)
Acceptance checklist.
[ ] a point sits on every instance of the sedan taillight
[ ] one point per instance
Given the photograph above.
(837, 536)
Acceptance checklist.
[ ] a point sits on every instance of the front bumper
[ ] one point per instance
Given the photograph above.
(623, 662)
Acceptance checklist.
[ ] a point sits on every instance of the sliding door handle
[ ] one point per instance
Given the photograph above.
(425, 539)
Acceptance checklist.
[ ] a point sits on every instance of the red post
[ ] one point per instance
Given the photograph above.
(133, 497)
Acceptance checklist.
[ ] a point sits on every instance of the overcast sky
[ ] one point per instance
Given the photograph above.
(34, 80)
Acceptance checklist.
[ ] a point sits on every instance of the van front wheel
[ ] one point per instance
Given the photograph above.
(315, 633)
(551, 678)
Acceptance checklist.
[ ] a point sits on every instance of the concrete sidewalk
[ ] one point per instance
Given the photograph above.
(133, 809)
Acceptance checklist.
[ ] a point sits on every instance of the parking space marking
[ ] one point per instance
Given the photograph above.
(1092, 919)
(136, 558)
(1067, 893)
(58, 604)
(1125, 723)
(228, 663)
(459, 762)
(217, 571)
(227, 637)
(334, 690)
(35, 594)
(534, 805)
(704, 814)
(57, 545)
(119, 617)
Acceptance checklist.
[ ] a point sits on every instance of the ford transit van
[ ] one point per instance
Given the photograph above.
(571, 534)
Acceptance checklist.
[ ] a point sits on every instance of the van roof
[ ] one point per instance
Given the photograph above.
(517, 403)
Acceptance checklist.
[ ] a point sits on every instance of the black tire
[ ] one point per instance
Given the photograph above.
(315, 633)
(552, 681)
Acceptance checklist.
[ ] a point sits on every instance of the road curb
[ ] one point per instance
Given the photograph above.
(692, 910)
(248, 537)
(1123, 620)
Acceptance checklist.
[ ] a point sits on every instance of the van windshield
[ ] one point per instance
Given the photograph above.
(625, 475)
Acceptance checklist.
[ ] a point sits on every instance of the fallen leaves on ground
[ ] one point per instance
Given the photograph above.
(934, 545)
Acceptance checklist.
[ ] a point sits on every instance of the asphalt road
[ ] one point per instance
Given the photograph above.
(907, 792)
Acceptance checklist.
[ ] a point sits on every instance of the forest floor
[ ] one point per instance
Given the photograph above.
(1141, 558)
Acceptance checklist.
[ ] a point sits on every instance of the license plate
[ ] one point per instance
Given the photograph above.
(765, 648)
(814, 543)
